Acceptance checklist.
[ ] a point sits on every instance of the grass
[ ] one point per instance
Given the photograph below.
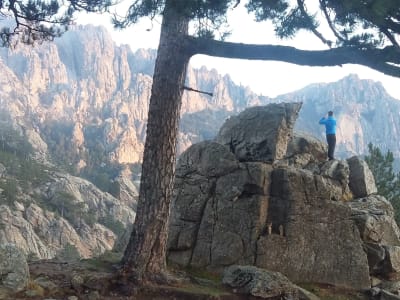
(202, 282)
(203, 274)
(201, 290)
(104, 262)
(34, 289)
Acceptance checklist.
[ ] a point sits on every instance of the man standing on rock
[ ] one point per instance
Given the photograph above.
(330, 126)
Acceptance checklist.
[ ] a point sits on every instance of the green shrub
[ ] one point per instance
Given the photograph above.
(10, 190)
(69, 253)
(115, 226)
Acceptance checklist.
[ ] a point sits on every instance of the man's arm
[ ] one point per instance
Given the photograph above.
(322, 121)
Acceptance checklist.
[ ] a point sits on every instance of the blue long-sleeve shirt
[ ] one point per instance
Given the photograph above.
(330, 124)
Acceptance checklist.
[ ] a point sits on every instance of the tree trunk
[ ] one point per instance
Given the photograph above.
(145, 256)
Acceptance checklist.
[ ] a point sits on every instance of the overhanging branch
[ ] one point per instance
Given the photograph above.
(383, 60)
(197, 91)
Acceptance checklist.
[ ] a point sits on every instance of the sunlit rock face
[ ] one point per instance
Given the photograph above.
(88, 88)
(79, 83)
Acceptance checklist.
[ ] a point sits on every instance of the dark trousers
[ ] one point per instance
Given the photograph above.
(331, 139)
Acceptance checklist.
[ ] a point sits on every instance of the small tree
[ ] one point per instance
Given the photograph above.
(387, 182)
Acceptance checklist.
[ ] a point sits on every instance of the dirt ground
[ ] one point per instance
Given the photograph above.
(94, 279)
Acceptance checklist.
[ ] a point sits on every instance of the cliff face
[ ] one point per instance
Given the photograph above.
(61, 212)
(84, 94)
(90, 89)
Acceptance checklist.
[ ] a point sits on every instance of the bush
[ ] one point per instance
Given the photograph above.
(69, 253)
(10, 190)
(114, 225)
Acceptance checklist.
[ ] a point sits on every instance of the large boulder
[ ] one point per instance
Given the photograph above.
(14, 271)
(260, 283)
(374, 217)
(228, 212)
(362, 182)
(260, 133)
(250, 198)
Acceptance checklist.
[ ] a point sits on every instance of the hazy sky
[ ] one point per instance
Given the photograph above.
(269, 78)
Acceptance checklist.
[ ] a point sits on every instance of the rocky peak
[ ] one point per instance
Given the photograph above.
(72, 88)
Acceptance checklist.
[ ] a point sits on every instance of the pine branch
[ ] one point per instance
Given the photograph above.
(197, 91)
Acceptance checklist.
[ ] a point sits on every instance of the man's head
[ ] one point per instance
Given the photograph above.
(330, 113)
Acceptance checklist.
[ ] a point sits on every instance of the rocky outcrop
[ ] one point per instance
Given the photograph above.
(270, 127)
(374, 218)
(99, 204)
(280, 219)
(362, 182)
(305, 151)
(259, 283)
(296, 215)
(128, 193)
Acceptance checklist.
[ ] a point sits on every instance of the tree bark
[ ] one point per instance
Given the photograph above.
(145, 256)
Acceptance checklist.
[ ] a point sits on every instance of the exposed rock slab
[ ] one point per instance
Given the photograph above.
(318, 241)
(260, 133)
(252, 213)
(306, 151)
(362, 182)
(217, 216)
(374, 216)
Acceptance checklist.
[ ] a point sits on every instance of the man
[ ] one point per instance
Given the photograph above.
(330, 126)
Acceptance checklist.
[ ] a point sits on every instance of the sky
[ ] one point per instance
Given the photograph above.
(268, 78)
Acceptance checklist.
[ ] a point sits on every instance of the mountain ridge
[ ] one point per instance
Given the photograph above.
(102, 91)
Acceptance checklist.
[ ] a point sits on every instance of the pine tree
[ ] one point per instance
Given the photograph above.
(386, 180)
